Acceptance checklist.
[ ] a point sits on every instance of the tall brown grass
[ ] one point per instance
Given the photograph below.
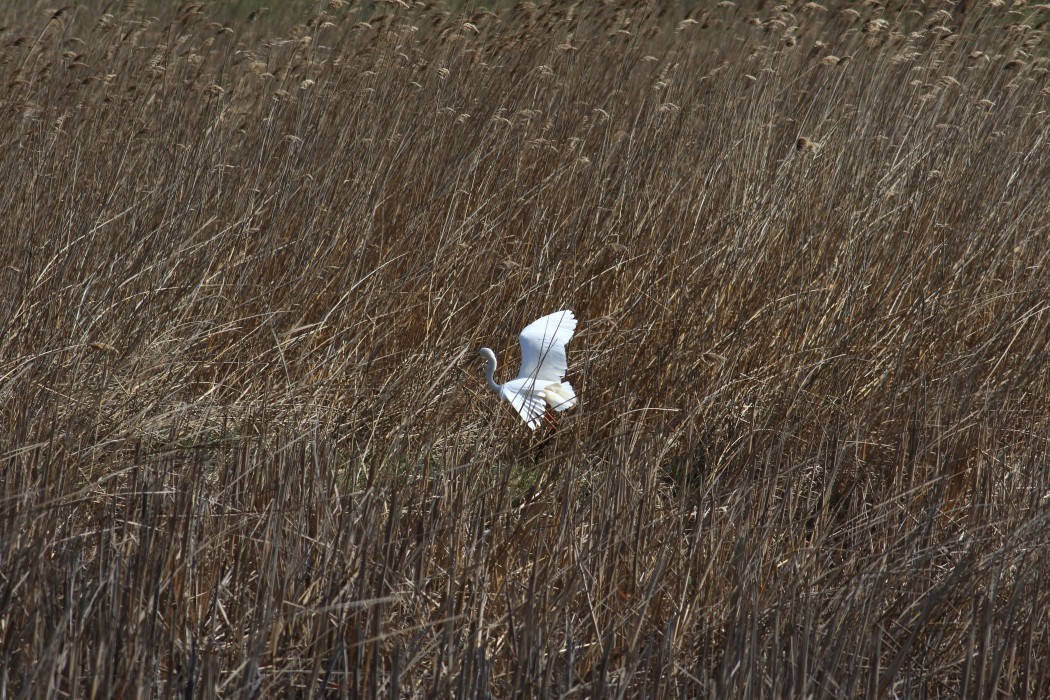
(246, 449)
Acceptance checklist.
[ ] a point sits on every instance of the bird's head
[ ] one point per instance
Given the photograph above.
(487, 354)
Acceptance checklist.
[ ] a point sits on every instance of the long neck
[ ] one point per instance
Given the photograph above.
(490, 372)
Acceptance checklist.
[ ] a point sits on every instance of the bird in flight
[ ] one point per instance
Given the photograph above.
(540, 382)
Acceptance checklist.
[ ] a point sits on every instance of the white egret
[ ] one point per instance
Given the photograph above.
(543, 365)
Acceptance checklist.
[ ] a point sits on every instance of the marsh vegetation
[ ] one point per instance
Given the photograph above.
(245, 445)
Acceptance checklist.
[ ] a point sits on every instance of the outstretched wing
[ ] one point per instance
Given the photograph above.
(530, 407)
(542, 343)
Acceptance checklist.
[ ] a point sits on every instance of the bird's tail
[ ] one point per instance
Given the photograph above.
(560, 397)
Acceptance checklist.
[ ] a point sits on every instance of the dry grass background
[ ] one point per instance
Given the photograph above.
(247, 449)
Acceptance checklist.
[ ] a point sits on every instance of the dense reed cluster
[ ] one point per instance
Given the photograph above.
(246, 448)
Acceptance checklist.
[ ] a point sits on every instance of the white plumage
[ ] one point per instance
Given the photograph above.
(543, 365)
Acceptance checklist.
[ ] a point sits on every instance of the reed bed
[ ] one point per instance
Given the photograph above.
(246, 448)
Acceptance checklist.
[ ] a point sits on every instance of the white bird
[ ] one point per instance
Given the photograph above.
(543, 365)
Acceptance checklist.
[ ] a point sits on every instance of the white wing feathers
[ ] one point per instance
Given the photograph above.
(542, 343)
(529, 406)
(560, 397)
